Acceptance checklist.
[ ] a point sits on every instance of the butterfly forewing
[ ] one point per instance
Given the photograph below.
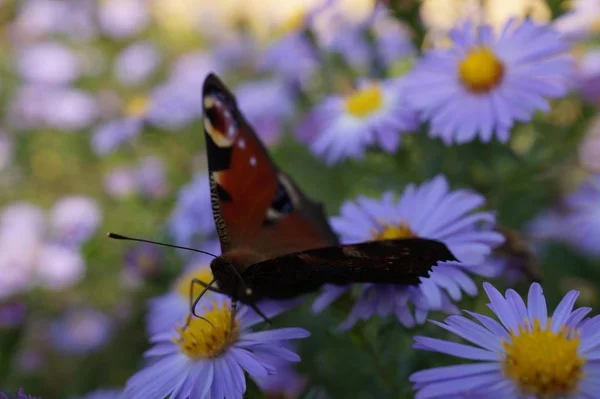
(255, 206)
(401, 261)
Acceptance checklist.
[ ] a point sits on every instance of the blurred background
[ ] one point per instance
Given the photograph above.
(100, 131)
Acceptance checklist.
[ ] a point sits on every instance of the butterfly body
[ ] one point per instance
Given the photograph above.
(276, 242)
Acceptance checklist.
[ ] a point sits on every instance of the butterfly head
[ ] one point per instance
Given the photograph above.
(230, 281)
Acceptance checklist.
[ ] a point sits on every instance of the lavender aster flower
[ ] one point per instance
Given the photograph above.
(525, 355)
(576, 220)
(120, 182)
(75, 219)
(581, 21)
(191, 220)
(121, 19)
(20, 395)
(483, 84)
(343, 126)
(136, 63)
(587, 79)
(205, 360)
(431, 211)
(70, 109)
(111, 135)
(152, 179)
(80, 331)
(59, 267)
(267, 105)
(60, 64)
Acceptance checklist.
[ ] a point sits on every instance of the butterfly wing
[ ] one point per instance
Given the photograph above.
(255, 206)
(400, 261)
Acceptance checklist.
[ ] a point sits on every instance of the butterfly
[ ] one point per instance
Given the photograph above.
(276, 242)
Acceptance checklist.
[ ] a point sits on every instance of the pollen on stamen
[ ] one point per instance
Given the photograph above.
(208, 337)
(365, 101)
(392, 232)
(544, 363)
(480, 70)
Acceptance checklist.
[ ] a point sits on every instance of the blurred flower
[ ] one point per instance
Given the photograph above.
(483, 84)
(528, 355)
(589, 149)
(574, 221)
(120, 182)
(136, 63)
(374, 114)
(581, 21)
(111, 135)
(121, 19)
(59, 267)
(431, 211)
(143, 260)
(178, 101)
(39, 18)
(267, 105)
(81, 331)
(192, 220)
(20, 395)
(103, 394)
(208, 360)
(22, 228)
(62, 108)
(29, 360)
(6, 150)
(75, 219)
(60, 64)
(151, 177)
(12, 314)
(287, 383)
(587, 78)
(392, 41)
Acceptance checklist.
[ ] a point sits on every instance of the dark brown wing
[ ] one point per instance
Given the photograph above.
(400, 261)
(256, 207)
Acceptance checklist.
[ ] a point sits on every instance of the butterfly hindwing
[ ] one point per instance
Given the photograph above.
(401, 261)
(255, 205)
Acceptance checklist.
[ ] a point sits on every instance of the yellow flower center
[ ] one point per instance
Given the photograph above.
(365, 101)
(137, 106)
(202, 273)
(201, 339)
(390, 232)
(480, 71)
(294, 22)
(543, 363)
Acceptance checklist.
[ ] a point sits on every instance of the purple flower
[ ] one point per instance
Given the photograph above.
(112, 135)
(136, 63)
(60, 65)
(587, 79)
(59, 267)
(204, 360)
(526, 354)
(343, 126)
(581, 21)
(267, 105)
(483, 84)
(81, 331)
(192, 220)
(575, 221)
(293, 58)
(121, 182)
(151, 177)
(12, 314)
(286, 383)
(20, 395)
(143, 260)
(75, 219)
(103, 394)
(121, 19)
(431, 211)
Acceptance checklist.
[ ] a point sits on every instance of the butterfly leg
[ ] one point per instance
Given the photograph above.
(233, 314)
(260, 313)
(194, 302)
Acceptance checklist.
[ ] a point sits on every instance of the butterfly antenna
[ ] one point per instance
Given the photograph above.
(121, 237)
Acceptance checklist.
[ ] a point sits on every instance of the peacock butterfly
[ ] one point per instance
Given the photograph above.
(276, 242)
